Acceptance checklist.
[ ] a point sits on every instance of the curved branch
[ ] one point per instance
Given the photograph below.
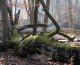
(30, 26)
(52, 33)
(68, 37)
(25, 37)
(50, 16)
(57, 31)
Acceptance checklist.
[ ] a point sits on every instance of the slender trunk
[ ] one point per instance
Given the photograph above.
(15, 7)
(46, 17)
(26, 7)
(35, 17)
(31, 10)
(50, 16)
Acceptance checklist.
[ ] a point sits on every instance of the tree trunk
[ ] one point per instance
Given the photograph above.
(35, 17)
(4, 15)
(26, 8)
(31, 10)
(51, 18)
(11, 16)
(46, 17)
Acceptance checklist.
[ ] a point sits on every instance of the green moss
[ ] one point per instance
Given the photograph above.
(40, 39)
(15, 36)
(66, 46)
(27, 41)
(44, 40)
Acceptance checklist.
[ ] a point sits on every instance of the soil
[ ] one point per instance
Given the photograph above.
(8, 58)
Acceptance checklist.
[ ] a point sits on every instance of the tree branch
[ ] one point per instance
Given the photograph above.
(30, 26)
(57, 31)
(50, 16)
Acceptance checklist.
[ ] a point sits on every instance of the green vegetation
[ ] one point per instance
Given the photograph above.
(15, 36)
(44, 40)
(67, 46)
(27, 41)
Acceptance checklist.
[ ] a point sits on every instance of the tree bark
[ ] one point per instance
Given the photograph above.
(31, 10)
(4, 15)
(35, 17)
(46, 17)
(49, 15)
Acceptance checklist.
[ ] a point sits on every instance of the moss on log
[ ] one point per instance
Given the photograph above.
(44, 40)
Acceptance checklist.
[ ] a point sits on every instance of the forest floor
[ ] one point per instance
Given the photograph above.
(8, 58)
